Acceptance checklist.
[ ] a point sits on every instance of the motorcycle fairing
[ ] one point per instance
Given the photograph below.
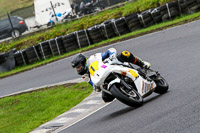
(93, 67)
(100, 70)
(100, 73)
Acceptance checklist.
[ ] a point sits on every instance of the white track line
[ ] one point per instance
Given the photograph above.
(65, 127)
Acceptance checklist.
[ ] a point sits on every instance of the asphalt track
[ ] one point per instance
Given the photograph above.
(173, 52)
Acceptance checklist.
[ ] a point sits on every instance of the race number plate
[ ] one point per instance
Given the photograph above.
(93, 67)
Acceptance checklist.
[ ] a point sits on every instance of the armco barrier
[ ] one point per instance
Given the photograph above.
(106, 30)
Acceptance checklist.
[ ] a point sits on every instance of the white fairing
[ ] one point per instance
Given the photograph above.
(103, 70)
(93, 58)
(144, 86)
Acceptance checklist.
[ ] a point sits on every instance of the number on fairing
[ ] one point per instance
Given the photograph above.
(93, 67)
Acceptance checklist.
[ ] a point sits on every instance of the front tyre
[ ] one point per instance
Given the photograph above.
(161, 85)
(131, 98)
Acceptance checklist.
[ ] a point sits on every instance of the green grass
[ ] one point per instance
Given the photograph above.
(164, 25)
(11, 5)
(25, 112)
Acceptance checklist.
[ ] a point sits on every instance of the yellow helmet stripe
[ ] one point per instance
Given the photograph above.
(126, 53)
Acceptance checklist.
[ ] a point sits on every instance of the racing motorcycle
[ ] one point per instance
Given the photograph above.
(125, 82)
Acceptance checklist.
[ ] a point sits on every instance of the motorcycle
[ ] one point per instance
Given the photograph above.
(84, 9)
(126, 83)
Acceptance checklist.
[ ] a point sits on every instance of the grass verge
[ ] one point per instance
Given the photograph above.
(25, 112)
(178, 21)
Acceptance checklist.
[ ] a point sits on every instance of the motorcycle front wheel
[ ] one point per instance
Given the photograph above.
(161, 85)
(126, 96)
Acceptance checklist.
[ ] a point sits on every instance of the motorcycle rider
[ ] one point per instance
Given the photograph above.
(81, 64)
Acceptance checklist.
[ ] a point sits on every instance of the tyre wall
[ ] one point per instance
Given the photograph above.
(108, 29)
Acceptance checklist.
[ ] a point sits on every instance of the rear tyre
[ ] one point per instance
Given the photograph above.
(15, 33)
(162, 85)
(131, 98)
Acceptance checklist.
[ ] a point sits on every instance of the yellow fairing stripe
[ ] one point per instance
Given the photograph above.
(133, 73)
(93, 67)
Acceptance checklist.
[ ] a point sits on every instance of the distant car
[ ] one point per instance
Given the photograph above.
(19, 26)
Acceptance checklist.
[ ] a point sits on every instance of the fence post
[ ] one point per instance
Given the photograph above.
(11, 23)
(54, 11)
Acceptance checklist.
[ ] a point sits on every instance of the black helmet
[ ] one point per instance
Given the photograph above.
(79, 64)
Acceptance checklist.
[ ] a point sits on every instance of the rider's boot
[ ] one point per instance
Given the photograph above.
(126, 56)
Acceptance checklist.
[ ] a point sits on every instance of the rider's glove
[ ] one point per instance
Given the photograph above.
(146, 65)
(86, 77)
(97, 88)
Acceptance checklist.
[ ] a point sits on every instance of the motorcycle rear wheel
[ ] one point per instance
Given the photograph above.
(132, 98)
(162, 85)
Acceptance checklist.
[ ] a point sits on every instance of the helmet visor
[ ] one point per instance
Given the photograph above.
(79, 68)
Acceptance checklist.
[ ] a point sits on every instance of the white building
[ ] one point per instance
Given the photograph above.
(43, 8)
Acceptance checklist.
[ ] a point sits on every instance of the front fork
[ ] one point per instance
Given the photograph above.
(117, 80)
